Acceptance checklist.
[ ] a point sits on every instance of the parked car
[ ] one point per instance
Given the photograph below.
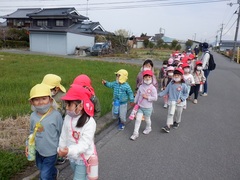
(100, 48)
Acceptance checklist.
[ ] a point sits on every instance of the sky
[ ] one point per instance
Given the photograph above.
(200, 20)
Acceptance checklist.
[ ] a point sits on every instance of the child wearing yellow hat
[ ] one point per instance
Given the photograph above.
(57, 90)
(45, 129)
(122, 93)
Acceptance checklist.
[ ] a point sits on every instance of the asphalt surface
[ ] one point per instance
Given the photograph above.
(206, 146)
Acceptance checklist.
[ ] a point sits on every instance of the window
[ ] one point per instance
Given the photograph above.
(42, 23)
(59, 22)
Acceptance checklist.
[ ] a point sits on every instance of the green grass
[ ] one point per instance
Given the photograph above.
(20, 72)
(11, 163)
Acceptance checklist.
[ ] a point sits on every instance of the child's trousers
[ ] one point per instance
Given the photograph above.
(147, 114)
(176, 117)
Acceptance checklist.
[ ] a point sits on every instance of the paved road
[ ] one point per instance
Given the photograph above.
(205, 147)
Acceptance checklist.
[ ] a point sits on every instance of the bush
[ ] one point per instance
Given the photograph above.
(16, 44)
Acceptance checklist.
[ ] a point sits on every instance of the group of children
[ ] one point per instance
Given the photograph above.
(73, 137)
(54, 137)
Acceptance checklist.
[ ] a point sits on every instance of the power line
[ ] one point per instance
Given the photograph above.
(135, 4)
(231, 18)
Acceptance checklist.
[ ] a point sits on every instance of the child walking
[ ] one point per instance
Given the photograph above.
(178, 93)
(45, 126)
(145, 96)
(163, 73)
(57, 90)
(189, 80)
(199, 79)
(147, 65)
(122, 93)
(86, 82)
(77, 137)
(165, 82)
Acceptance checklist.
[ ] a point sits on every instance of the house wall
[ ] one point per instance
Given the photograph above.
(74, 40)
(52, 43)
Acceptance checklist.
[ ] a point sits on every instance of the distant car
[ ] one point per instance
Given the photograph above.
(100, 48)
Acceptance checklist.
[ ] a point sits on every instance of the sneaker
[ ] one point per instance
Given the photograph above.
(175, 125)
(189, 98)
(134, 136)
(121, 126)
(165, 106)
(195, 101)
(147, 131)
(166, 129)
(204, 94)
(61, 160)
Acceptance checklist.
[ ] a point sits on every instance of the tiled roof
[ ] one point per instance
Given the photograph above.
(21, 13)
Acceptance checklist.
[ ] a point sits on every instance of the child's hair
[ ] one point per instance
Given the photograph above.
(165, 62)
(148, 61)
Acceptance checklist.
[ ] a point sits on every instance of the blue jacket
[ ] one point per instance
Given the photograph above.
(122, 92)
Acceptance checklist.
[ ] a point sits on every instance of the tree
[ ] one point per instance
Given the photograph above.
(143, 35)
(121, 40)
(145, 43)
(174, 44)
(189, 44)
(160, 43)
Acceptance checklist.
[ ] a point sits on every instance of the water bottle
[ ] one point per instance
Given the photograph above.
(116, 106)
(134, 112)
(31, 148)
(93, 167)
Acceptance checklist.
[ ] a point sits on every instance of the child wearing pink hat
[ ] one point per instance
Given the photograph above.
(178, 93)
(85, 81)
(77, 138)
(145, 96)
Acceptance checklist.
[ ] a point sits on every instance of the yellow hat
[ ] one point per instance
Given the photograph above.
(39, 90)
(123, 75)
(53, 81)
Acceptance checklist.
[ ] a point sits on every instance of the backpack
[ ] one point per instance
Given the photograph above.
(211, 63)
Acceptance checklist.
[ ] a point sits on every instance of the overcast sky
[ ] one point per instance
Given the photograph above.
(199, 20)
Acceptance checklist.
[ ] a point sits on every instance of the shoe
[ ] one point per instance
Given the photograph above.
(61, 160)
(121, 126)
(195, 101)
(165, 106)
(147, 131)
(166, 129)
(134, 136)
(175, 125)
(189, 98)
(204, 94)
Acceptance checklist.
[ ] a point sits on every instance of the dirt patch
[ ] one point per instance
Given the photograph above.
(14, 132)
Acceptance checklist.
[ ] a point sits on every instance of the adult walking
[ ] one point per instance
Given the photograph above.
(205, 61)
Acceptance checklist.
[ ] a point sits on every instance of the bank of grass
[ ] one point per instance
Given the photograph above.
(20, 72)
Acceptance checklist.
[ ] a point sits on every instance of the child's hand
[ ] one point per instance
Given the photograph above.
(63, 152)
(179, 101)
(103, 81)
(145, 96)
(132, 104)
(26, 151)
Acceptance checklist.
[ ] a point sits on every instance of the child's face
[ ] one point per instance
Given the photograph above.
(147, 66)
(73, 106)
(147, 79)
(39, 101)
(55, 90)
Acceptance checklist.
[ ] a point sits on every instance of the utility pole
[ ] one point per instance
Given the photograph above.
(220, 37)
(236, 32)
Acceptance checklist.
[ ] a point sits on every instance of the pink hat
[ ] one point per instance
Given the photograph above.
(84, 81)
(170, 60)
(176, 71)
(147, 72)
(77, 92)
(170, 68)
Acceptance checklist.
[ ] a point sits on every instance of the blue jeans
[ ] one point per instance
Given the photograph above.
(46, 166)
(205, 86)
(79, 170)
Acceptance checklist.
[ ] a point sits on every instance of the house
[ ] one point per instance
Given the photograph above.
(57, 30)
(19, 18)
(227, 45)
